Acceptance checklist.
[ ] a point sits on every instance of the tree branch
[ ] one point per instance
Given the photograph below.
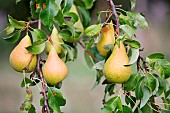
(46, 105)
(113, 8)
(88, 52)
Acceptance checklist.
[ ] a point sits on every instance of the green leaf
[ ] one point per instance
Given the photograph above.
(138, 89)
(48, 13)
(119, 104)
(130, 100)
(134, 57)
(89, 45)
(133, 4)
(137, 110)
(33, 10)
(128, 30)
(93, 30)
(139, 20)
(166, 103)
(156, 56)
(99, 65)
(126, 109)
(147, 108)
(67, 5)
(9, 29)
(14, 37)
(146, 95)
(32, 109)
(42, 101)
(165, 71)
(110, 89)
(114, 103)
(37, 47)
(131, 83)
(40, 34)
(27, 104)
(65, 34)
(88, 59)
(85, 16)
(162, 86)
(106, 110)
(88, 3)
(16, 24)
(55, 99)
(151, 82)
(74, 17)
(69, 53)
(167, 93)
(133, 43)
(59, 18)
(164, 111)
(26, 81)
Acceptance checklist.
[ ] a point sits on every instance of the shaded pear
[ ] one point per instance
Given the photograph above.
(20, 57)
(55, 42)
(54, 70)
(108, 37)
(114, 69)
(78, 25)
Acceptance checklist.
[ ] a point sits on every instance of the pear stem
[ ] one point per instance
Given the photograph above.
(113, 8)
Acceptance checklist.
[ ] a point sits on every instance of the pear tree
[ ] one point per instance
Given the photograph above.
(132, 82)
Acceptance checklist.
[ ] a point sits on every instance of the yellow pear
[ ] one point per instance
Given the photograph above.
(20, 57)
(55, 42)
(114, 69)
(54, 70)
(106, 38)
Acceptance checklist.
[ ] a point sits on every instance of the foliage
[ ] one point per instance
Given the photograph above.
(147, 82)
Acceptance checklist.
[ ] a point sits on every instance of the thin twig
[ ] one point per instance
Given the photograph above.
(157, 106)
(43, 85)
(96, 60)
(113, 7)
(46, 105)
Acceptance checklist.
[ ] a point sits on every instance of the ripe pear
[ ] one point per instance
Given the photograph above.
(114, 69)
(54, 70)
(108, 37)
(55, 42)
(20, 57)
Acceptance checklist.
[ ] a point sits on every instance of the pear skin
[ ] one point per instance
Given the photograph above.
(114, 69)
(56, 40)
(54, 70)
(20, 57)
(107, 38)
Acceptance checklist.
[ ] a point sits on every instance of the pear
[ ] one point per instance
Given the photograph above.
(54, 70)
(106, 38)
(55, 42)
(114, 69)
(20, 57)
(78, 25)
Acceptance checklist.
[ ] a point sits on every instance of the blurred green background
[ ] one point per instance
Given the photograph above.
(77, 86)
